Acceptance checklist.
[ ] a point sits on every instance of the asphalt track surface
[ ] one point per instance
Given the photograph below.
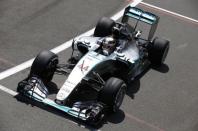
(165, 99)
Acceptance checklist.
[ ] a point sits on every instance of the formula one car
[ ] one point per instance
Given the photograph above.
(100, 67)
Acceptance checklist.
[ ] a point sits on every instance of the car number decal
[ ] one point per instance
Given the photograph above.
(83, 67)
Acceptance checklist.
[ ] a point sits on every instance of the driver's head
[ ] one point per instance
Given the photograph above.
(109, 45)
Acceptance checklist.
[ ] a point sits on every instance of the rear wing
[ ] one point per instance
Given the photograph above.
(143, 16)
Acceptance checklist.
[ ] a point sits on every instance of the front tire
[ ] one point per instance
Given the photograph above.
(113, 93)
(159, 51)
(44, 65)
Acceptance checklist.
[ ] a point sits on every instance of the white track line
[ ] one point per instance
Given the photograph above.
(170, 12)
(9, 91)
(16, 69)
(60, 48)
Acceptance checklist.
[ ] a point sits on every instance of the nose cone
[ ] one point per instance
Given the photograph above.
(82, 68)
(61, 96)
(65, 90)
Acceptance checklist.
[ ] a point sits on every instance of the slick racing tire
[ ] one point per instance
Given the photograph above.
(159, 51)
(113, 93)
(104, 27)
(44, 66)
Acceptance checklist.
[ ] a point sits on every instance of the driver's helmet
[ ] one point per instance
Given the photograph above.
(109, 45)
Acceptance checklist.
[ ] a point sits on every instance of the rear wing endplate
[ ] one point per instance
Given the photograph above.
(140, 15)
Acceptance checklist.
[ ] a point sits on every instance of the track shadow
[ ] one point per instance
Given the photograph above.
(162, 69)
(53, 88)
(134, 86)
(116, 118)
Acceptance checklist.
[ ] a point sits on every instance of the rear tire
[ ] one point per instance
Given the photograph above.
(44, 65)
(159, 51)
(113, 93)
(104, 27)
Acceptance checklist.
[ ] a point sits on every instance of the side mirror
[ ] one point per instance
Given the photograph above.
(72, 47)
(73, 44)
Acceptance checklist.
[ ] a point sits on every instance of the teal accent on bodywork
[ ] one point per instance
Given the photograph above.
(66, 109)
(139, 14)
(51, 103)
(144, 19)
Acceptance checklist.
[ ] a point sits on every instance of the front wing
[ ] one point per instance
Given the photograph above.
(90, 111)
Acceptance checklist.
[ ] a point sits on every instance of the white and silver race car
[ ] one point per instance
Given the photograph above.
(100, 68)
